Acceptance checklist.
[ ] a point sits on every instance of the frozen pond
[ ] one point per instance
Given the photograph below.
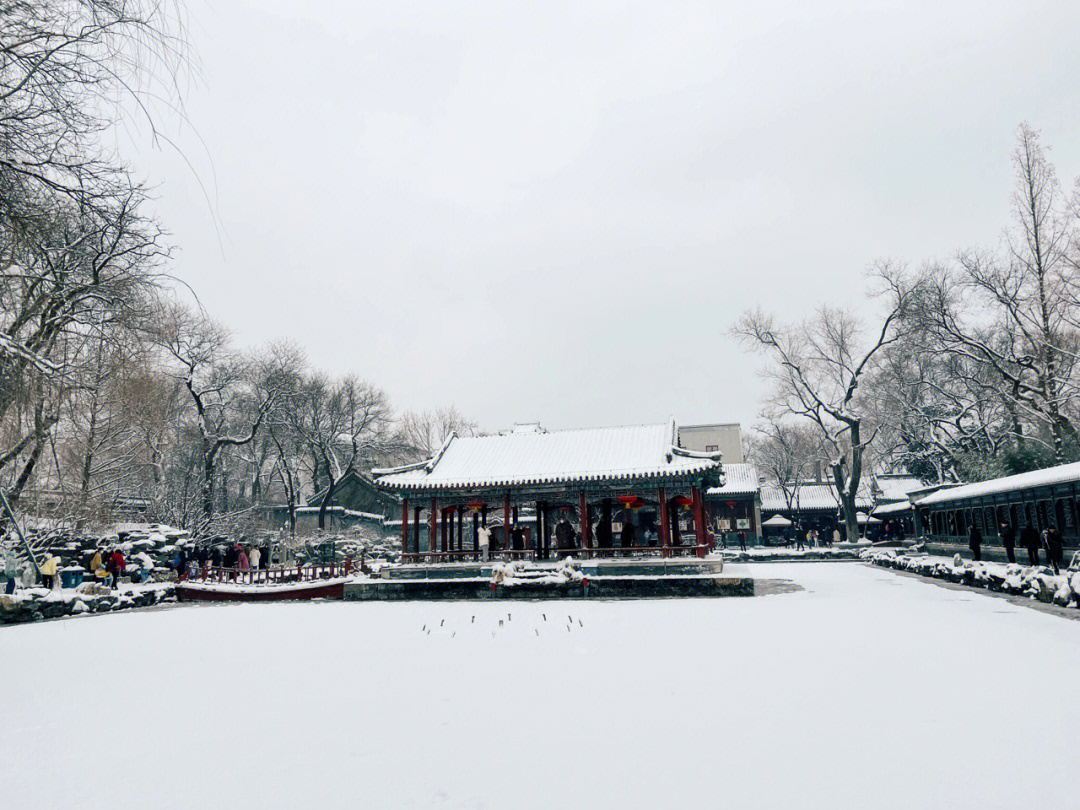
(864, 689)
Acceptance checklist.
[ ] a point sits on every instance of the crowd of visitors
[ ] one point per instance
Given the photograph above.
(237, 557)
(106, 565)
(1033, 541)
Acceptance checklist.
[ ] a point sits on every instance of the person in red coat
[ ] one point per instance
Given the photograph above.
(116, 566)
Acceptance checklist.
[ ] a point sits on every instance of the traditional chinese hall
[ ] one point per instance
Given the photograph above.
(597, 492)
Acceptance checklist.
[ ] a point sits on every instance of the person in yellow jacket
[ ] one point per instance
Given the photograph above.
(48, 571)
(97, 566)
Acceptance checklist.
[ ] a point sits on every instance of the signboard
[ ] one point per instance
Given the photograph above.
(724, 524)
(742, 523)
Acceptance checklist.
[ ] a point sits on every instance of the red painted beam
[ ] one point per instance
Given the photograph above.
(699, 521)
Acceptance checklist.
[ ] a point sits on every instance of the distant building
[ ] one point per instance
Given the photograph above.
(734, 507)
(723, 437)
(810, 505)
(356, 502)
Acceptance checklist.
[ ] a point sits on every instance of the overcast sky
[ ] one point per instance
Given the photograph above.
(554, 212)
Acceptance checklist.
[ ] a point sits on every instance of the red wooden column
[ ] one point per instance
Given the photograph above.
(460, 524)
(404, 527)
(507, 544)
(586, 525)
(699, 521)
(444, 517)
(665, 522)
(432, 547)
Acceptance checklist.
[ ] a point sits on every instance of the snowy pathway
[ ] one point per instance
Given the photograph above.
(866, 689)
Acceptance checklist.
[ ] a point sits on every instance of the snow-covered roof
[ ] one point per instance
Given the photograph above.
(776, 520)
(895, 487)
(892, 508)
(806, 497)
(739, 479)
(1062, 474)
(552, 457)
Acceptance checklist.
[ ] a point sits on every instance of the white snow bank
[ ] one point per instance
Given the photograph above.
(863, 690)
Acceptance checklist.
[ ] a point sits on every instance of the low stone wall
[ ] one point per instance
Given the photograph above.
(38, 604)
(1035, 582)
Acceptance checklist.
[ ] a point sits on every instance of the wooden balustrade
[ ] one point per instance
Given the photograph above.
(275, 575)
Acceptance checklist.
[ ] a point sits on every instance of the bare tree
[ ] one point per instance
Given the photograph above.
(941, 415)
(817, 367)
(230, 394)
(284, 432)
(345, 422)
(66, 67)
(786, 452)
(1015, 312)
(421, 434)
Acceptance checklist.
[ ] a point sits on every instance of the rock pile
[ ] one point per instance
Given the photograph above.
(1035, 582)
(37, 604)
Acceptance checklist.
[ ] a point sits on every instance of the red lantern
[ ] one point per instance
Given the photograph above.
(627, 499)
(732, 504)
(685, 501)
(476, 506)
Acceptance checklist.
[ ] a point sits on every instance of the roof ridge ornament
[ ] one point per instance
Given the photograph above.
(713, 455)
(431, 462)
(427, 464)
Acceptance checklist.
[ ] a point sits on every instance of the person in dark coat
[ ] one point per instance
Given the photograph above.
(975, 539)
(215, 556)
(181, 564)
(564, 534)
(1030, 540)
(1054, 550)
(626, 536)
(1008, 539)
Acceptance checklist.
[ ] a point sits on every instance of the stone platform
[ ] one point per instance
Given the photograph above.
(621, 582)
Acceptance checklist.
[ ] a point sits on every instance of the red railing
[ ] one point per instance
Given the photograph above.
(269, 576)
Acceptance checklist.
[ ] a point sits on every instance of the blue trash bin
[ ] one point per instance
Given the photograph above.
(71, 577)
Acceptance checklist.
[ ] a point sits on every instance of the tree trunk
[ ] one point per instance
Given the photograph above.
(326, 500)
(208, 482)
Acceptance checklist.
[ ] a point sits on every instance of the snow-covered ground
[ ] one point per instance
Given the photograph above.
(866, 689)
